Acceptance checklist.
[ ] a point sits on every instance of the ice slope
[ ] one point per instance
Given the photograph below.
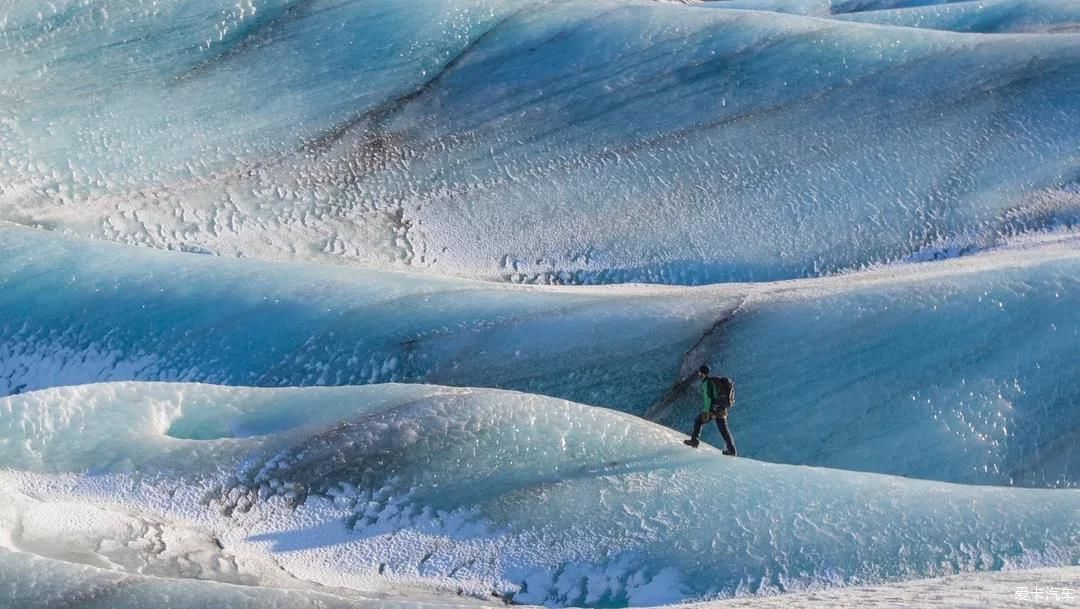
(74, 311)
(954, 378)
(972, 16)
(175, 91)
(996, 16)
(569, 142)
(40, 582)
(951, 371)
(825, 8)
(371, 488)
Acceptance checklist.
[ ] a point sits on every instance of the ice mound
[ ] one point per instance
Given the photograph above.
(821, 8)
(572, 142)
(985, 16)
(954, 378)
(951, 371)
(994, 17)
(32, 581)
(483, 491)
(36, 581)
(74, 311)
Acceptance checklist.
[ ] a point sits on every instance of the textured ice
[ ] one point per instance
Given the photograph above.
(959, 377)
(993, 16)
(826, 8)
(34, 580)
(569, 142)
(76, 312)
(903, 174)
(484, 491)
(950, 371)
(982, 16)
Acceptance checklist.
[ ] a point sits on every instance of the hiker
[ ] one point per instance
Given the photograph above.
(719, 394)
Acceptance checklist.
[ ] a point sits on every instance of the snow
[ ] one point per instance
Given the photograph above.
(571, 142)
(902, 356)
(33, 579)
(388, 487)
(995, 16)
(328, 377)
(982, 16)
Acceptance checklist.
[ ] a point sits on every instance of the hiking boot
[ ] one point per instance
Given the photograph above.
(730, 453)
(692, 443)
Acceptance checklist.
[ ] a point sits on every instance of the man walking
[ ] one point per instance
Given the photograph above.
(719, 395)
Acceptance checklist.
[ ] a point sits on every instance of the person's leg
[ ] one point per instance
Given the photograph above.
(699, 422)
(721, 424)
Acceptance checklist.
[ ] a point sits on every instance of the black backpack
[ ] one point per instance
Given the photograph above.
(724, 390)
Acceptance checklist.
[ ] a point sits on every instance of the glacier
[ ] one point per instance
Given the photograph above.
(556, 142)
(886, 360)
(376, 488)
(1002, 16)
(61, 581)
(966, 16)
(384, 305)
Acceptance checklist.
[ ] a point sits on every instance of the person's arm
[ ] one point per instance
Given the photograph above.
(707, 395)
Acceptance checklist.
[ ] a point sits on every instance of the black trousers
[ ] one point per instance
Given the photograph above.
(721, 424)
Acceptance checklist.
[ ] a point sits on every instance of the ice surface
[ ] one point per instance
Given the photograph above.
(34, 580)
(29, 580)
(76, 312)
(981, 16)
(915, 159)
(950, 371)
(994, 16)
(372, 488)
(569, 142)
(959, 377)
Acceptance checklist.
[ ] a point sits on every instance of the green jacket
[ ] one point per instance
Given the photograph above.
(708, 391)
(711, 394)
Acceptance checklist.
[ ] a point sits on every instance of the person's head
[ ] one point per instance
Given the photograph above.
(703, 371)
